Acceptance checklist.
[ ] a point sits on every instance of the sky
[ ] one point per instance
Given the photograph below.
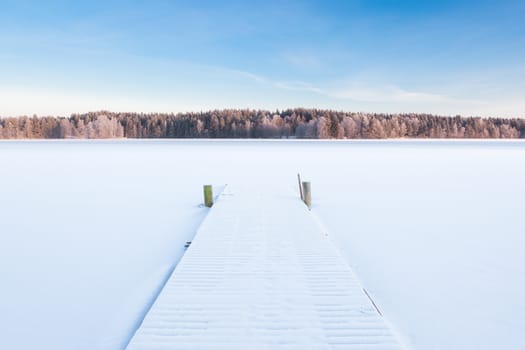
(441, 57)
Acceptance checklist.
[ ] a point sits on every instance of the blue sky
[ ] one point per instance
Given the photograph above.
(443, 57)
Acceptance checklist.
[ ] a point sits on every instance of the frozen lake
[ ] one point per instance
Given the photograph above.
(90, 229)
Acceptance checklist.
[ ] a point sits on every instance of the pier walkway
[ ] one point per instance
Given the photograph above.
(261, 274)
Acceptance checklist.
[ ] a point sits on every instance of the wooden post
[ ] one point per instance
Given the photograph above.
(208, 196)
(307, 193)
(300, 186)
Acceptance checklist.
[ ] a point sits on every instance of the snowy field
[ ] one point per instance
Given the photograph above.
(89, 231)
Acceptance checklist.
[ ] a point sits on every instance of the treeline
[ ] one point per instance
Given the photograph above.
(292, 123)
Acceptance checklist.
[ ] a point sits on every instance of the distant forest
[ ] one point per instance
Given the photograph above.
(292, 123)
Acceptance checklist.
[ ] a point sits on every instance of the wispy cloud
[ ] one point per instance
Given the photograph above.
(284, 85)
(386, 93)
(244, 74)
(297, 86)
(362, 92)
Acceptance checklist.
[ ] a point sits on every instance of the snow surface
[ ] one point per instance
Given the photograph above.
(89, 231)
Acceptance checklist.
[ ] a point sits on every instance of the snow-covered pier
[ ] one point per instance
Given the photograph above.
(261, 274)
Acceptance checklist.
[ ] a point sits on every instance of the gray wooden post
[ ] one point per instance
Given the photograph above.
(208, 196)
(307, 193)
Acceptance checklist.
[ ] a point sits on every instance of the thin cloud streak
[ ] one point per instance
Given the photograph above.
(363, 93)
(388, 93)
(355, 92)
(297, 86)
(244, 74)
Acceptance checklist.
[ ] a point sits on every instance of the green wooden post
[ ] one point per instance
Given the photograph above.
(208, 196)
(307, 193)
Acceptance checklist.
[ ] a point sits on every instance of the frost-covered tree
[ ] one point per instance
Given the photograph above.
(299, 122)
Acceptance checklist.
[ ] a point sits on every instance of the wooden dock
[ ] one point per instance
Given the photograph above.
(261, 274)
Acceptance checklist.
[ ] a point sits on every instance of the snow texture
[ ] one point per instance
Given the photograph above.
(91, 230)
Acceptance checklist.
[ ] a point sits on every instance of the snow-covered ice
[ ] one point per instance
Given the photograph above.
(89, 231)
